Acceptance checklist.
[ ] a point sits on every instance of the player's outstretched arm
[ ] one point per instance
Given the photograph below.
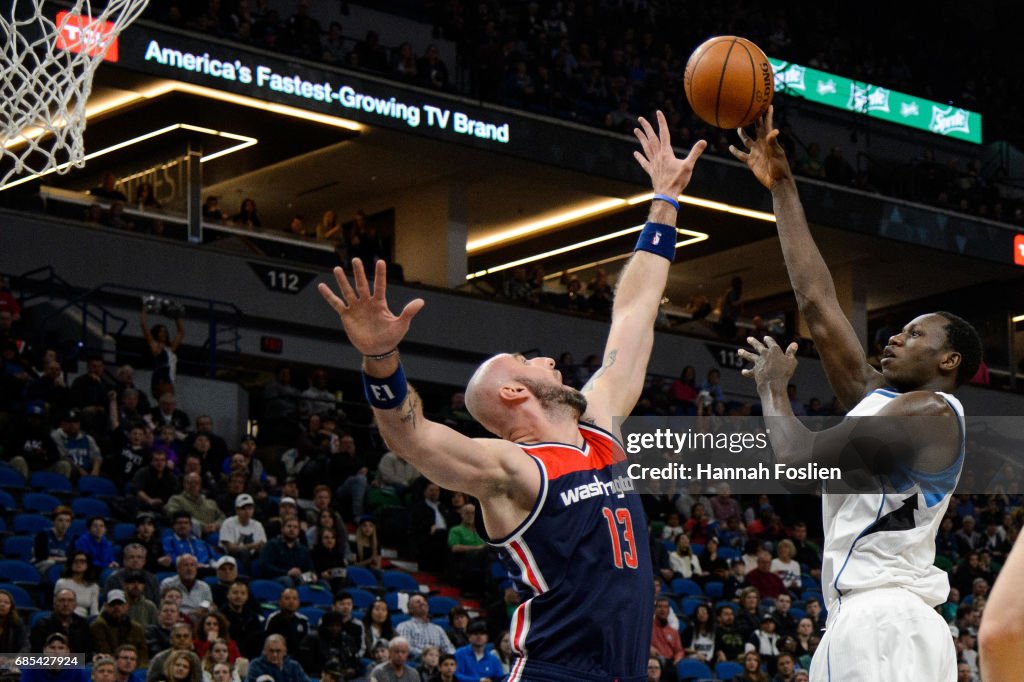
(841, 352)
(616, 386)
(1001, 636)
(476, 466)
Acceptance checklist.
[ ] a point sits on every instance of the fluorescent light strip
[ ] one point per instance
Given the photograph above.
(694, 237)
(245, 142)
(1019, 318)
(621, 256)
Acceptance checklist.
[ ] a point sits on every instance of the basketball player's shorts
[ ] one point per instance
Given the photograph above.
(883, 635)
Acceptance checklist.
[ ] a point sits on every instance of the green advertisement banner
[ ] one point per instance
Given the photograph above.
(875, 101)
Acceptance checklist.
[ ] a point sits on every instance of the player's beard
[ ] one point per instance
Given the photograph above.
(556, 398)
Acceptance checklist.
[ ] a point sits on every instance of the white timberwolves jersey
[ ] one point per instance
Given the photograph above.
(887, 539)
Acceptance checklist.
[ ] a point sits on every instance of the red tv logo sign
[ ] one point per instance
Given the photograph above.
(1018, 249)
(82, 34)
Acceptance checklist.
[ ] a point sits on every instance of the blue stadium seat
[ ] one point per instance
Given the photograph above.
(19, 547)
(361, 599)
(11, 479)
(441, 623)
(50, 482)
(266, 590)
(713, 588)
(15, 571)
(729, 553)
(38, 616)
(53, 573)
(41, 503)
(399, 617)
(31, 523)
(725, 602)
(361, 577)
(697, 549)
(809, 582)
(22, 599)
(77, 527)
(685, 587)
(797, 613)
(7, 501)
(313, 596)
(440, 606)
(498, 571)
(313, 613)
(85, 507)
(122, 532)
(690, 604)
(97, 486)
(726, 670)
(669, 545)
(391, 599)
(692, 669)
(397, 580)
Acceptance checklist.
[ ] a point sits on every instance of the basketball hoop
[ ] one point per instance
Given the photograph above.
(46, 68)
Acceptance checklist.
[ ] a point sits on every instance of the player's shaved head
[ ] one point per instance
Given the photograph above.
(482, 392)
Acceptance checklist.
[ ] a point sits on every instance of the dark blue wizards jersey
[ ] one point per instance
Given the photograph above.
(581, 563)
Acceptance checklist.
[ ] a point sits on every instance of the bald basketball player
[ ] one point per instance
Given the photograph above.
(578, 560)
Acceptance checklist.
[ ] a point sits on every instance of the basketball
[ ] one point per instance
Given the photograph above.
(729, 82)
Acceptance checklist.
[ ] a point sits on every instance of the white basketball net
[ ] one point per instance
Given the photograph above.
(46, 71)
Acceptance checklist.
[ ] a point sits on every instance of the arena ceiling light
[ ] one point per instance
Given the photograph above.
(692, 237)
(590, 210)
(1017, 319)
(242, 141)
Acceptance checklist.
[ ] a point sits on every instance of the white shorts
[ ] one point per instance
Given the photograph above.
(884, 634)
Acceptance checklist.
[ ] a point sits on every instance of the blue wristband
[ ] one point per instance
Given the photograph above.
(658, 239)
(386, 393)
(667, 199)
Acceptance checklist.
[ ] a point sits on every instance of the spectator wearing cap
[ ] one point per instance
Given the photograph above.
(203, 511)
(765, 641)
(332, 671)
(182, 541)
(155, 484)
(140, 609)
(242, 536)
(96, 544)
(284, 558)
(56, 644)
(76, 447)
(287, 507)
(30, 446)
(474, 662)
(396, 668)
(245, 623)
(287, 621)
(331, 642)
(420, 631)
(226, 569)
(275, 664)
(65, 622)
(194, 592)
(53, 546)
(135, 561)
(114, 627)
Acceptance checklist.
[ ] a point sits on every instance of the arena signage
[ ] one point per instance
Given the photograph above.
(320, 90)
(875, 101)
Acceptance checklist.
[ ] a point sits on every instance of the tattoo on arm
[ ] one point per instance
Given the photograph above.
(609, 361)
(409, 411)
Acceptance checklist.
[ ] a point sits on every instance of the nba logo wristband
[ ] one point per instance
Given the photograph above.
(658, 239)
(386, 393)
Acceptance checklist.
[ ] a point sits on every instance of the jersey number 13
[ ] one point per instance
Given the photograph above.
(624, 551)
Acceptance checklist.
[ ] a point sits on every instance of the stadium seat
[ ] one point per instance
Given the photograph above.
(361, 577)
(97, 486)
(314, 596)
(726, 670)
(697, 549)
(16, 571)
(692, 669)
(88, 506)
(361, 599)
(440, 606)
(22, 599)
(690, 605)
(265, 590)
(11, 479)
(123, 532)
(713, 588)
(725, 602)
(797, 613)
(685, 587)
(77, 527)
(41, 503)
(7, 502)
(313, 613)
(38, 616)
(809, 582)
(47, 481)
(19, 547)
(31, 523)
(399, 617)
(729, 553)
(498, 571)
(391, 599)
(54, 573)
(669, 545)
(441, 623)
(396, 580)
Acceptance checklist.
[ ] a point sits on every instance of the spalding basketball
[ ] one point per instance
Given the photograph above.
(729, 82)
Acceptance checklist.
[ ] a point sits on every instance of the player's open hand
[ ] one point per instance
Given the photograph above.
(669, 175)
(371, 327)
(765, 157)
(773, 367)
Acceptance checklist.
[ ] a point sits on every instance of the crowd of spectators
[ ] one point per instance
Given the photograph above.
(605, 63)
